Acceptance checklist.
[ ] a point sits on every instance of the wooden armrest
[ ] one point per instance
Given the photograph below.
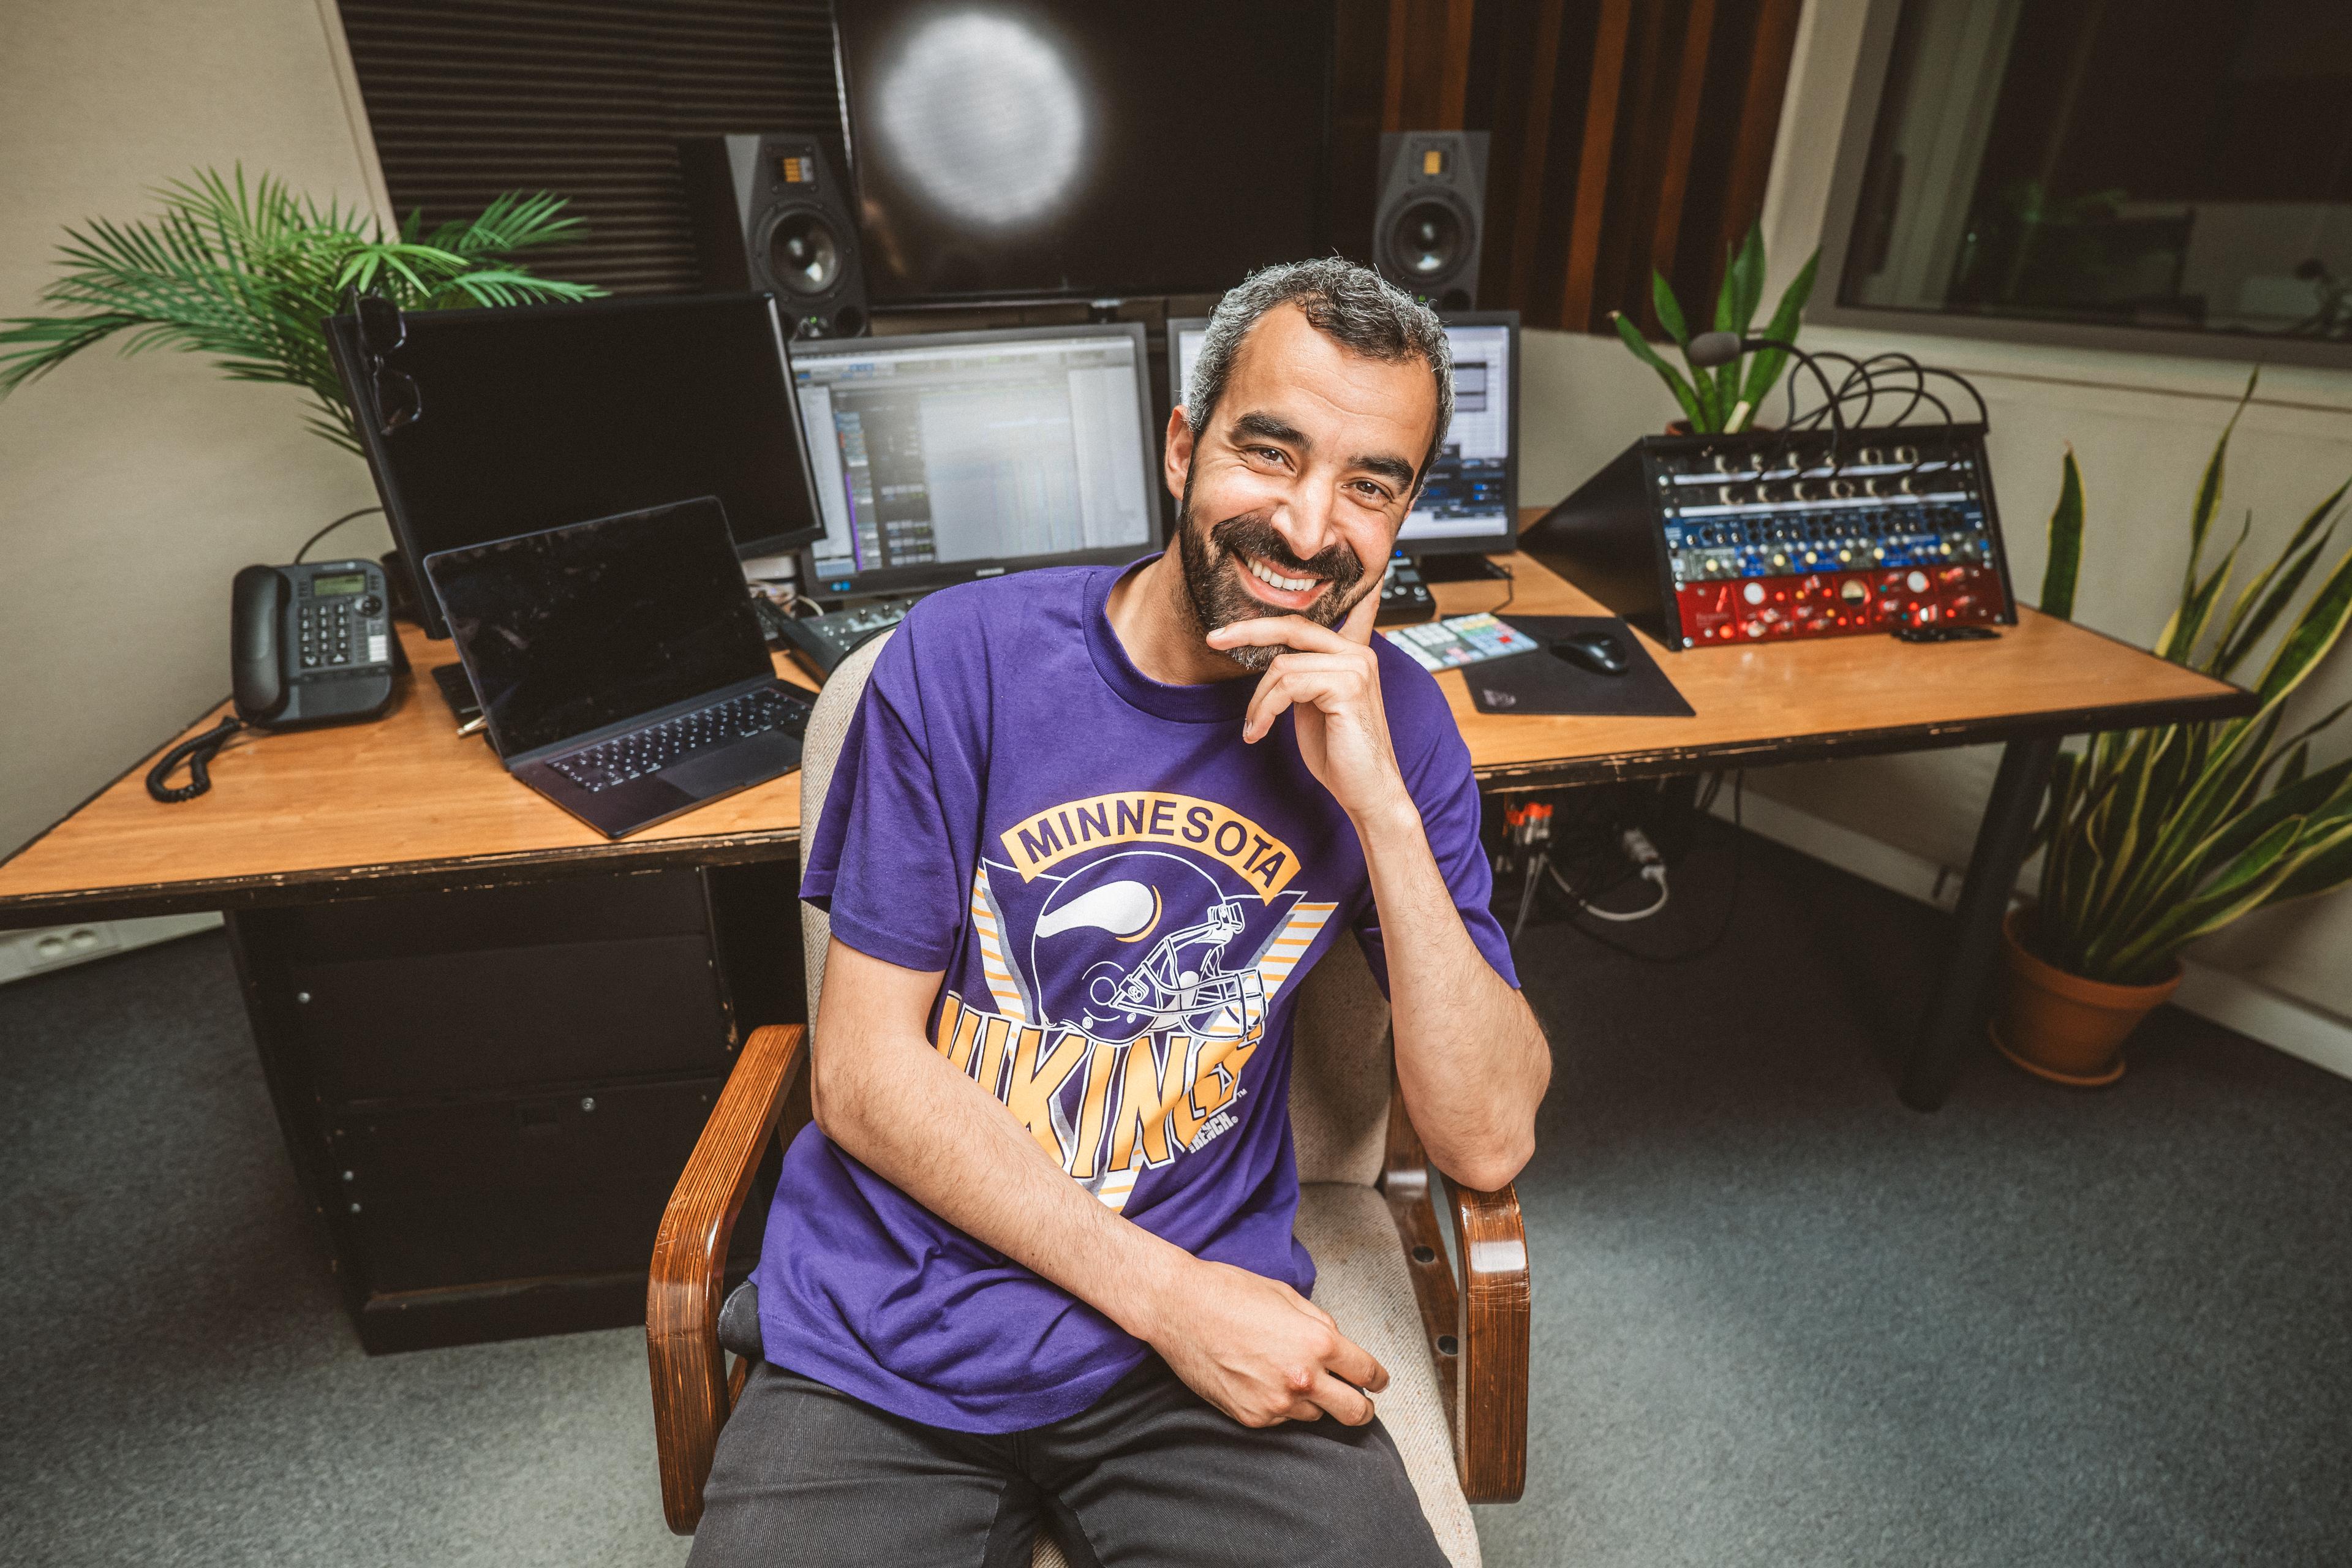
(1477, 1331)
(692, 1394)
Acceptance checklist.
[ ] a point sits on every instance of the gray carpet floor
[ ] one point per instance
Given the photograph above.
(1778, 1318)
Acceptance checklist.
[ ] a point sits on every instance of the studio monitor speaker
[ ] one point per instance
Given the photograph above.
(1431, 221)
(769, 213)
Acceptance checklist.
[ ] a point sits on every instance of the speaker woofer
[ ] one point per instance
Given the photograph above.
(1427, 240)
(803, 254)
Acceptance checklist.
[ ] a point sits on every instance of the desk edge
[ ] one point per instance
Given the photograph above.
(2231, 702)
(325, 883)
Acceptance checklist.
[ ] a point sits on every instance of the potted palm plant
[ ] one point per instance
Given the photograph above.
(2156, 837)
(246, 273)
(1727, 398)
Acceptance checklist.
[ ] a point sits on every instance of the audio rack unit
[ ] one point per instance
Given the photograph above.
(1765, 535)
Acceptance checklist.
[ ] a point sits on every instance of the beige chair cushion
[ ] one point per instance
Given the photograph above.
(820, 749)
(1339, 1070)
(1360, 1280)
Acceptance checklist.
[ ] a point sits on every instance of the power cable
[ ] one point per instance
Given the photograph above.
(330, 529)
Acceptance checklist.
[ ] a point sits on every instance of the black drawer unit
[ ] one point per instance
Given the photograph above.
(577, 1181)
(489, 1093)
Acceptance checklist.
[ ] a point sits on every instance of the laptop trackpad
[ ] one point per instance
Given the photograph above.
(746, 761)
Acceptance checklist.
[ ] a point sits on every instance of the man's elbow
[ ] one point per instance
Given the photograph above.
(1492, 1168)
(831, 1103)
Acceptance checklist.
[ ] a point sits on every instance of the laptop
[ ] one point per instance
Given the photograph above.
(620, 666)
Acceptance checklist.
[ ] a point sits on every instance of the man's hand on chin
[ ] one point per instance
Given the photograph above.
(1331, 681)
(1257, 1349)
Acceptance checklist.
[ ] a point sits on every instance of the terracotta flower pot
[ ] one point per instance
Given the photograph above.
(2062, 1026)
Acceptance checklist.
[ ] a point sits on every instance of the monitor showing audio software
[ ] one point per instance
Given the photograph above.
(941, 456)
(1470, 504)
(538, 416)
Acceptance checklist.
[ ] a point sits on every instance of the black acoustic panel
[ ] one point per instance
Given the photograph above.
(493, 1018)
(468, 99)
(467, 1193)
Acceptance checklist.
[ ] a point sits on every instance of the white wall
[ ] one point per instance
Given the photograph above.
(131, 489)
(2141, 426)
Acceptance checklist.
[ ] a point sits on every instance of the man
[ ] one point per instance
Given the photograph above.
(1034, 1261)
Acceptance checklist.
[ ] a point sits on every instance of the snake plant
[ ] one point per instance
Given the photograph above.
(1727, 398)
(247, 274)
(2156, 837)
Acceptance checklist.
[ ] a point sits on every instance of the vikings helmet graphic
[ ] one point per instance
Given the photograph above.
(1146, 940)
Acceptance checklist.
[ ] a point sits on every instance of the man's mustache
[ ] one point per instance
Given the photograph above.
(1252, 534)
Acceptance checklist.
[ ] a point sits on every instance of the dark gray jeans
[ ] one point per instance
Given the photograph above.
(1150, 1474)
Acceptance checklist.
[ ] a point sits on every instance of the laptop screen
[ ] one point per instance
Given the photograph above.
(596, 622)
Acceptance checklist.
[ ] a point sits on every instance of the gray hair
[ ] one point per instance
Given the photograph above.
(1349, 303)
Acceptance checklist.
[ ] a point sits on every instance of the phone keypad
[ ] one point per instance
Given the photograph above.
(343, 632)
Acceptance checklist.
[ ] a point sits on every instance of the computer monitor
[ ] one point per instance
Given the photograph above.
(1470, 505)
(941, 456)
(538, 416)
(1075, 149)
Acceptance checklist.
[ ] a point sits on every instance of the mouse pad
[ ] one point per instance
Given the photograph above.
(1544, 682)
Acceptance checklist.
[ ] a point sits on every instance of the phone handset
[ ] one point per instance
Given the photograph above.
(256, 615)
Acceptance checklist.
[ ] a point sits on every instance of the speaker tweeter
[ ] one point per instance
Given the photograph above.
(770, 214)
(1431, 221)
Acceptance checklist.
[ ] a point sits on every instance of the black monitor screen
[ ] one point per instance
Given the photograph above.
(573, 628)
(941, 456)
(542, 415)
(1471, 502)
(1084, 147)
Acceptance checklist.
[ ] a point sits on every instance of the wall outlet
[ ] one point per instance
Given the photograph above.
(24, 953)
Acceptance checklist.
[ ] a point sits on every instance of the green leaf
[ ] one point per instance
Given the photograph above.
(2314, 634)
(2065, 544)
(2302, 796)
(1666, 373)
(2242, 887)
(2244, 631)
(1764, 373)
(1670, 311)
(2209, 489)
(2181, 633)
(2325, 867)
(1748, 268)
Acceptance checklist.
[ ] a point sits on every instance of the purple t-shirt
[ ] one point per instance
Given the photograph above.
(1120, 894)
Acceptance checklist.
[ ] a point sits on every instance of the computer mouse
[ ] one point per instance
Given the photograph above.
(1597, 651)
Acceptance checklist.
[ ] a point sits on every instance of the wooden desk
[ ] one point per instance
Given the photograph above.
(406, 804)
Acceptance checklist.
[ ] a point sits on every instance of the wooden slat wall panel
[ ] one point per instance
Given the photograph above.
(586, 99)
(1625, 137)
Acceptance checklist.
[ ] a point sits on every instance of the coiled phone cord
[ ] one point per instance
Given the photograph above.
(198, 752)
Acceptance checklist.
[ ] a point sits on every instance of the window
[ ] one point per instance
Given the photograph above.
(2170, 174)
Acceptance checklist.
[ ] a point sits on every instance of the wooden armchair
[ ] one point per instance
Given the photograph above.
(1457, 1351)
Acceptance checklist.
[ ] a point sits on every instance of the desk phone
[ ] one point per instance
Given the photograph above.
(311, 644)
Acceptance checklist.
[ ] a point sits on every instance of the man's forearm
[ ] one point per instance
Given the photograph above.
(1471, 1059)
(905, 1111)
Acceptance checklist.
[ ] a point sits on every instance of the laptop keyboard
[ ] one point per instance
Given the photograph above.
(641, 752)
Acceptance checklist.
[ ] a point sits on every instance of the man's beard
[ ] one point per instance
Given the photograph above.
(1218, 599)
